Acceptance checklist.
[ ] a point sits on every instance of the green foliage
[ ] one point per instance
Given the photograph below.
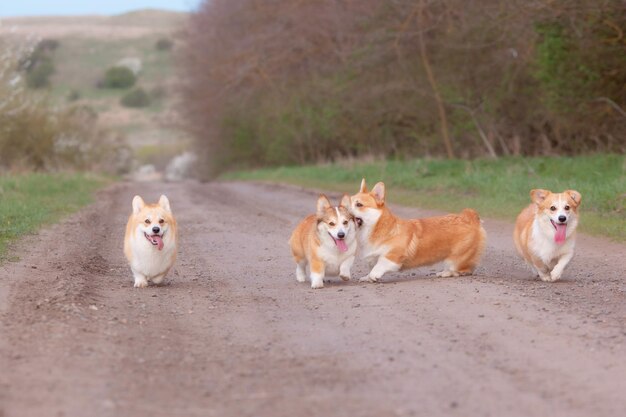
(495, 188)
(39, 75)
(119, 77)
(73, 95)
(32, 200)
(136, 98)
(564, 76)
(523, 80)
(39, 65)
(35, 135)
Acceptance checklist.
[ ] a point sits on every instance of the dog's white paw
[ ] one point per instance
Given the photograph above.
(447, 274)
(345, 277)
(317, 281)
(300, 275)
(546, 277)
(143, 283)
(317, 285)
(158, 280)
(554, 277)
(368, 278)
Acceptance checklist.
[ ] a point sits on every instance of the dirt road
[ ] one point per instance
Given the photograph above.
(232, 333)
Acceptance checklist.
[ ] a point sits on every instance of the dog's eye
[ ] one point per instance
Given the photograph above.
(331, 223)
(147, 221)
(566, 207)
(552, 208)
(345, 223)
(358, 204)
(161, 221)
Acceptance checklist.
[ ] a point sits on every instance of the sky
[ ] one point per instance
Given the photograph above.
(82, 7)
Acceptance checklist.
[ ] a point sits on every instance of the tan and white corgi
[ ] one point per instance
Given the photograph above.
(545, 231)
(150, 243)
(390, 243)
(325, 241)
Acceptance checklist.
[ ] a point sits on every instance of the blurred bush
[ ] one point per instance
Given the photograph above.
(38, 63)
(118, 77)
(137, 97)
(164, 44)
(318, 81)
(158, 92)
(39, 75)
(36, 136)
(73, 95)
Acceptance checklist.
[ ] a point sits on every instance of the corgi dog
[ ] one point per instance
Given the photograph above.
(545, 231)
(325, 241)
(390, 243)
(150, 241)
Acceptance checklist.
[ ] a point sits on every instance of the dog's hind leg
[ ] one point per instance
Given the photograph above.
(463, 262)
(449, 270)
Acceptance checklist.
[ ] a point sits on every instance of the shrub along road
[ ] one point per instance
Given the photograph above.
(232, 332)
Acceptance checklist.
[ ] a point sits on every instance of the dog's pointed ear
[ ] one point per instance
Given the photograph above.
(538, 195)
(138, 204)
(346, 201)
(164, 202)
(363, 188)
(378, 192)
(322, 205)
(575, 196)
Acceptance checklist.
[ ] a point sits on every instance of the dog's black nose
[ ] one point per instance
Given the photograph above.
(156, 229)
(341, 235)
(562, 218)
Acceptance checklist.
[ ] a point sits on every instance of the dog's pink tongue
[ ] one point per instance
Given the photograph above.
(341, 244)
(159, 241)
(559, 236)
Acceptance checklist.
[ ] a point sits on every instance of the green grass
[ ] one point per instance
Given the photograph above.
(496, 189)
(29, 201)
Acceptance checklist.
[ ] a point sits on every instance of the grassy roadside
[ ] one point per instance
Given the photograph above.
(496, 189)
(30, 200)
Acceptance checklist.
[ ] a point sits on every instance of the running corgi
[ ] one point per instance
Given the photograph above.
(325, 241)
(150, 241)
(545, 231)
(389, 243)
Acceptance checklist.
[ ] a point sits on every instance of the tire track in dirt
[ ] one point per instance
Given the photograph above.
(232, 333)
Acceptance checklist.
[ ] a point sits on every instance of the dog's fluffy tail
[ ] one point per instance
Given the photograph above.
(471, 215)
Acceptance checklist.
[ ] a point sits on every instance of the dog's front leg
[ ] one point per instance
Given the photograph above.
(158, 279)
(557, 271)
(140, 280)
(383, 265)
(318, 269)
(301, 271)
(344, 269)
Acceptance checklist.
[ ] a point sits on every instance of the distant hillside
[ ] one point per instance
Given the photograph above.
(88, 46)
(136, 24)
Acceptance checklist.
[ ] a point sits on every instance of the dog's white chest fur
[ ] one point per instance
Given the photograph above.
(147, 259)
(368, 251)
(543, 246)
(332, 256)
